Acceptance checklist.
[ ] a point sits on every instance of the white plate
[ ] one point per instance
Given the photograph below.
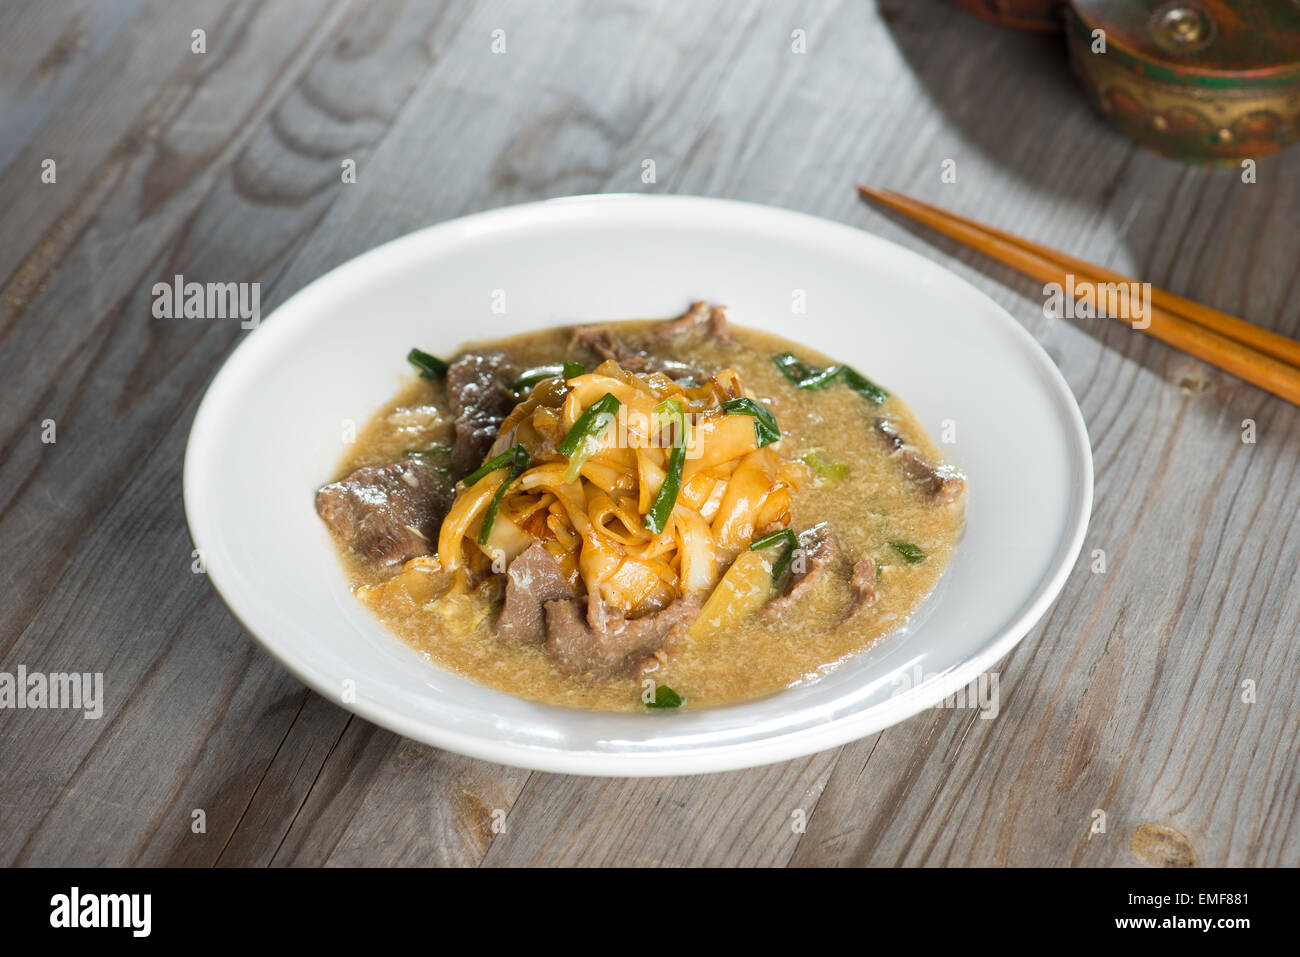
(269, 432)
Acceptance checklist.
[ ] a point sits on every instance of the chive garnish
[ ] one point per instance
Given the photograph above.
(784, 536)
(491, 465)
(824, 468)
(911, 554)
(802, 376)
(531, 377)
(765, 429)
(665, 697)
(864, 387)
(585, 435)
(657, 518)
(669, 413)
(431, 367)
(518, 462)
(431, 450)
(805, 377)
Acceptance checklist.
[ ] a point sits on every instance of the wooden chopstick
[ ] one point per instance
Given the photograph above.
(1260, 357)
(1271, 343)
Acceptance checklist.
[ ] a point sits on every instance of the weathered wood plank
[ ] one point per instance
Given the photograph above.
(743, 818)
(1125, 699)
(161, 366)
(44, 57)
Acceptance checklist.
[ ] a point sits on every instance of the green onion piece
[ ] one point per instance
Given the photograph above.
(531, 377)
(491, 465)
(586, 432)
(656, 519)
(765, 429)
(669, 413)
(821, 378)
(784, 536)
(864, 387)
(767, 541)
(803, 377)
(782, 563)
(518, 462)
(665, 697)
(431, 367)
(824, 468)
(790, 367)
(911, 554)
(431, 450)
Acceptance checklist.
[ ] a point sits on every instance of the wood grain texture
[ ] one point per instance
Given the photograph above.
(1126, 699)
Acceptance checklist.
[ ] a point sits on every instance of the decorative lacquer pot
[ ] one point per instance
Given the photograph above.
(1198, 80)
(1194, 79)
(1041, 16)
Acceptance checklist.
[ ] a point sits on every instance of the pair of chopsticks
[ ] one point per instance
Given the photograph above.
(1258, 356)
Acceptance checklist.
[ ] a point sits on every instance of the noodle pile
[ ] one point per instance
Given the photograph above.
(599, 526)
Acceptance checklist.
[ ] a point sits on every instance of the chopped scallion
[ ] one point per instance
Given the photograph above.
(911, 554)
(784, 537)
(765, 428)
(669, 413)
(431, 450)
(864, 387)
(656, 519)
(802, 376)
(665, 697)
(531, 377)
(805, 377)
(824, 468)
(518, 462)
(491, 465)
(582, 440)
(431, 367)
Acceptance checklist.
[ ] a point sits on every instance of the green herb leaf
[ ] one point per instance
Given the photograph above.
(491, 465)
(765, 428)
(911, 554)
(656, 519)
(584, 437)
(518, 462)
(824, 468)
(785, 535)
(531, 377)
(669, 413)
(789, 540)
(431, 450)
(864, 387)
(665, 697)
(431, 367)
(791, 368)
(805, 377)
(568, 370)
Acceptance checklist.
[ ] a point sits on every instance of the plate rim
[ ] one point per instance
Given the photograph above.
(709, 759)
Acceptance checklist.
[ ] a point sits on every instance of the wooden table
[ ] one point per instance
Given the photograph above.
(1127, 699)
